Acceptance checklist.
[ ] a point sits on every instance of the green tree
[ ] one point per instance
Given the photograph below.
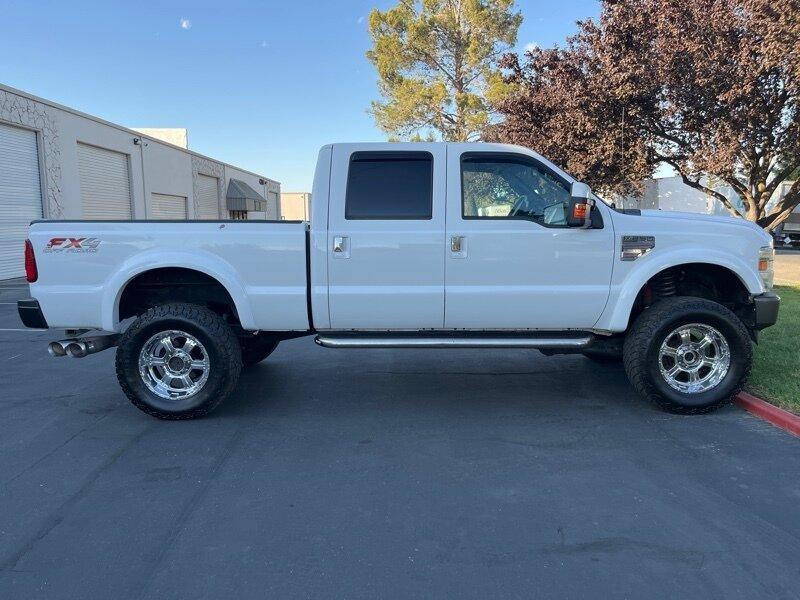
(436, 60)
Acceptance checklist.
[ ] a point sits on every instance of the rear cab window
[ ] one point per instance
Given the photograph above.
(389, 185)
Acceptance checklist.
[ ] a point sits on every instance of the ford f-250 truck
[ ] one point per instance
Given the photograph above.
(419, 245)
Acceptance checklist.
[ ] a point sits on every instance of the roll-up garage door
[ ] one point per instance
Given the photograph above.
(207, 197)
(273, 206)
(165, 206)
(20, 196)
(105, 183)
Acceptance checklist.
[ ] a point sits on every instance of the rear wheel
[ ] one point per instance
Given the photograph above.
(689, 355)
(178, 361)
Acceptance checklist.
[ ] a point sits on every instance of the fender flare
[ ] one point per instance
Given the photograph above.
(197, 260)
(618, 310)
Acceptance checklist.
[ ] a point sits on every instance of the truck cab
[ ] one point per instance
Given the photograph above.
(453, 237)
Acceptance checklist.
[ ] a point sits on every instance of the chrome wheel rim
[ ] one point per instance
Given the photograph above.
(694, 358)
(174, 365)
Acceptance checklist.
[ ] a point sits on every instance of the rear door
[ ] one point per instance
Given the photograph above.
(386, 236)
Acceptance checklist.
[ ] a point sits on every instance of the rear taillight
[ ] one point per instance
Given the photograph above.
(31, 272)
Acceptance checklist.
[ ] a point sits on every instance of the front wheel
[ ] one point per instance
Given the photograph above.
(178, 361)
(689, 355)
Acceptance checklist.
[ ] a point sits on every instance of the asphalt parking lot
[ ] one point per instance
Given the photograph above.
(385, 474)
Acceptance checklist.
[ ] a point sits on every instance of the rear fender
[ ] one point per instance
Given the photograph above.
(197, 260)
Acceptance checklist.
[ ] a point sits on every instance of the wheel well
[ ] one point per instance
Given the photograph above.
(175, 284)
(701, 280)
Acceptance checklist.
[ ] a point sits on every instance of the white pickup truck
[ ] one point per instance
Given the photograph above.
(418, 245)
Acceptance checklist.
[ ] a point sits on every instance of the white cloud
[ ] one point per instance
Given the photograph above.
(185, 23)
(360, 20)
(531, 46)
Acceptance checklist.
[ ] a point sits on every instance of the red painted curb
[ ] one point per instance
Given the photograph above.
(769, 412)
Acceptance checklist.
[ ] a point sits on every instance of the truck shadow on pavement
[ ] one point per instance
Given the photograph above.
(301, 377)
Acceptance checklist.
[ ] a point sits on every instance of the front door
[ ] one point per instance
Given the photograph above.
(512, 262)
(386, 237)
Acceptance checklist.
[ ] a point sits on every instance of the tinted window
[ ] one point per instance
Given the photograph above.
(389, 185)
(497, 187)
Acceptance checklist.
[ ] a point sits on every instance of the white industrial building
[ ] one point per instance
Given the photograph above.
(296, 206)
(670, 193)
(58, 163)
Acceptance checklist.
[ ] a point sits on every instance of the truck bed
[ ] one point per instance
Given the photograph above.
(84, 267)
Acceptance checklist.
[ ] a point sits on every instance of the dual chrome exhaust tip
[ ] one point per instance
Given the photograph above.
(73, 348)
(80, 347)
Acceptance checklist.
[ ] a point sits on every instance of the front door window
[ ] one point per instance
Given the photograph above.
(499, 187)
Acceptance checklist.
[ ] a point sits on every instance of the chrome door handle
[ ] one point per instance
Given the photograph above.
(456, 243)
(341, 246)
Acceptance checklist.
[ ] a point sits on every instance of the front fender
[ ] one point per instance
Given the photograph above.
(197, 260)
(618, 310)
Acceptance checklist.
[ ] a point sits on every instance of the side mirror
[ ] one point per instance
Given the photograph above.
(580, 206)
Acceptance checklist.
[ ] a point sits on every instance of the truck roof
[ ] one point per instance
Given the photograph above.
(460, 146)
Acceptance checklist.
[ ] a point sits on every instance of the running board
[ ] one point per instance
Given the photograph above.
(455, 341)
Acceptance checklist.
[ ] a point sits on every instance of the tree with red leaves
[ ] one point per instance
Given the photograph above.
(708, 87)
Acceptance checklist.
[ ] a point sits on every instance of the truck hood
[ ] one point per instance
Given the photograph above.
(710, 219)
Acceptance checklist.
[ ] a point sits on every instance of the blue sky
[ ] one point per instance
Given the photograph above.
(258, 84)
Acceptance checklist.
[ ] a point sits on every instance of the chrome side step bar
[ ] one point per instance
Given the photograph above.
(441, 341)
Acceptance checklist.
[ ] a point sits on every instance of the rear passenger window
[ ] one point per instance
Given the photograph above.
(389, 185)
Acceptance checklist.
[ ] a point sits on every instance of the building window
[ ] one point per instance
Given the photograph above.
(239, 215)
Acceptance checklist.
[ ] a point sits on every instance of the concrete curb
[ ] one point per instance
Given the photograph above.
(769, 412)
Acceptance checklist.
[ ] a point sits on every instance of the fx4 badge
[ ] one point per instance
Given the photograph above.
(72, 245)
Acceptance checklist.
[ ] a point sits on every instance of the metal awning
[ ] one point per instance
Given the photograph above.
(241, 196)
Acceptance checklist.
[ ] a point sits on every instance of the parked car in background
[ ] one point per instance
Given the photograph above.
(788, 232)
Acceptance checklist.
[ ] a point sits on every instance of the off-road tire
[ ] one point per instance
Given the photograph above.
(215, 335)
(256, 348)
(644, 338)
